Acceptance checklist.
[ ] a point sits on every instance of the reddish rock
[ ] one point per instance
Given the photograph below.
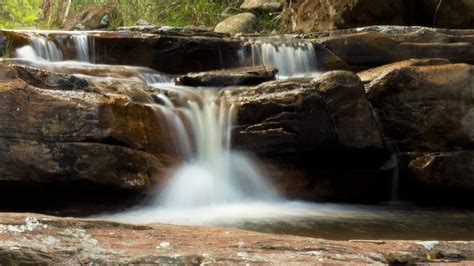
(38, 239)
(426, 108)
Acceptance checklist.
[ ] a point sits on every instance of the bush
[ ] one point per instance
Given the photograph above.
(19, 13)
(174, 12)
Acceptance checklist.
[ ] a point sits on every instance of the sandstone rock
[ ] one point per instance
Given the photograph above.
(54, 129)
(93, 18)
(262, 5)
(229, 77)
(54, 240)
(244, 22)
(427, 108)
(375, 46)
(455, 14)
(306, 115)
(369, 75)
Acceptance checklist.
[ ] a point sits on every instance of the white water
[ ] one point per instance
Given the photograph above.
(45, 49)
(81, 43)
(291, 59)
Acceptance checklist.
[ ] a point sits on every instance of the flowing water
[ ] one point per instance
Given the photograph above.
(291, 58)
(216, 185)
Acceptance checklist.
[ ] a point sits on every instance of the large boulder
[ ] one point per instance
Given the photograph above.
(304, 115)
(426, 108)
(316, 138)
(61, 131)
(244, 22)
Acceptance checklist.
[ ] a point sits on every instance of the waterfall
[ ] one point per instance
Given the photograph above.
(44, 49)
(292, 59)
(212, 172)
(81, 44)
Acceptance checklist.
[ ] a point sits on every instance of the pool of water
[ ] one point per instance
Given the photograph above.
(328, 221)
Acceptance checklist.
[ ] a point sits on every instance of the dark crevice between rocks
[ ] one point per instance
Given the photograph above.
(336, 175)
(74, 198)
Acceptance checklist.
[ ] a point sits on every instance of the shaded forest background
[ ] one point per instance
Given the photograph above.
(52, 14)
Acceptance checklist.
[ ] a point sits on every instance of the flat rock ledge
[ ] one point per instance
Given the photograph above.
(38, 239)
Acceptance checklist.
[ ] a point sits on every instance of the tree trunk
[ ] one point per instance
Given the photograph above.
(66, 13)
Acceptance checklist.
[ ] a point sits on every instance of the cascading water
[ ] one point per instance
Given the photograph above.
(45, 49)
(215, 185)
(292, 59)
(212, 172)
(81, 43)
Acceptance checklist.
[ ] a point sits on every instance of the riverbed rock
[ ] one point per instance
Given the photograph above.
(426, 108)
(59, 131)
(244, 22)
(262, 5)
(370, 74)
(300, 115)
(369, 47)
(316, 138)
(229, 77)
(39, 239)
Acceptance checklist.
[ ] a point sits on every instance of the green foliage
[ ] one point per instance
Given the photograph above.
(174, 12)
(267, 22)
(19, 13)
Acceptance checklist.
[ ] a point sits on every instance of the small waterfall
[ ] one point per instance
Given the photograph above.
(212, 173)
(45, 49)
(292, 59)
(81, 43)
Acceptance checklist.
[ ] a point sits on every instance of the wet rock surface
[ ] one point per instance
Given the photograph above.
(300, 115)
(54, 130)
(427, 113)
(32, 238)
(229, 77)
(311, 136)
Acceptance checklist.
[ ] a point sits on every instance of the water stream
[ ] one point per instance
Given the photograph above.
(216, 185)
